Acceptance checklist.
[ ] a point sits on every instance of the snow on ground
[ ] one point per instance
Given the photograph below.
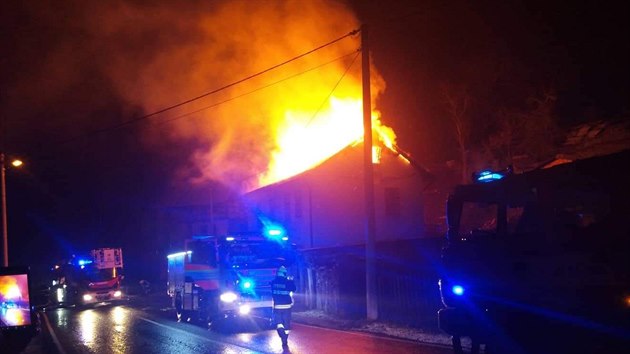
(432, 336)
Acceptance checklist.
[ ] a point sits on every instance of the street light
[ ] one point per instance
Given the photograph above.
(3, 190)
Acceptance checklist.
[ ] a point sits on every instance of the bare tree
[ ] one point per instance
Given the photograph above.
(457, 102)
(529, 132)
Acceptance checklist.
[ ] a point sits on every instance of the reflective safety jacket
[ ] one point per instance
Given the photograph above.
(282, 292)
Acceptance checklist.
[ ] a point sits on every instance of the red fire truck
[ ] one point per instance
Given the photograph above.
(228, 276)
(88, 280)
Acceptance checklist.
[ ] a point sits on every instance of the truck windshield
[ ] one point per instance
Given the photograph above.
(94, 274)
(482, 217)
(255, 254)
(203, 252)
(562, 218)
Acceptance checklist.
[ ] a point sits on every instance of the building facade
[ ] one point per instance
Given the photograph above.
(325, 206)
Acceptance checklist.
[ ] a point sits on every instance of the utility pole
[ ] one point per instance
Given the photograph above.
(5, 240)
(368, 174)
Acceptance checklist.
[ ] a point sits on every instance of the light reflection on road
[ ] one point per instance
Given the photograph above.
(62, 318)
(122, 330)
(109, 327)
(87, 325)
(245, 337)
(120, 318)
(275, 343)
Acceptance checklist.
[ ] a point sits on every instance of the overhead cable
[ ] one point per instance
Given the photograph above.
(146, 116)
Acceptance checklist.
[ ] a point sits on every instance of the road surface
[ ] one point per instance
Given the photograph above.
(132, 328)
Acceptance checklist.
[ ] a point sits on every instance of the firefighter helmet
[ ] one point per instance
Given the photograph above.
(282, 271)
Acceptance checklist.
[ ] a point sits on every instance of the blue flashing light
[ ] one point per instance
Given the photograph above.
(229, 238)
(274, 232)
(458, 290)
(489, 176)
(83, 262)
(178, 254)
(285, 238)
(271, 229)
(247, 285)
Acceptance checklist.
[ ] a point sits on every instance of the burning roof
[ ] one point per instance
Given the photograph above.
(380, 148)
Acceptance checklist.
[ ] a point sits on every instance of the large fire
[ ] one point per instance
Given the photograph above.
(263, 129)
(301, 147)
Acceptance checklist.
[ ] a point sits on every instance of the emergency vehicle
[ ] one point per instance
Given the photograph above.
(226, 277)
(88, 280)
(538, 262)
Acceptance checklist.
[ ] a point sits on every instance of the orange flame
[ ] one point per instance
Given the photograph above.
(262, 130)
(300, 147)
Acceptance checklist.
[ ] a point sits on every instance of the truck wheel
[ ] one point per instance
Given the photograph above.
(178, 307)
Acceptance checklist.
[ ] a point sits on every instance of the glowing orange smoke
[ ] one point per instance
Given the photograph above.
(264, 129)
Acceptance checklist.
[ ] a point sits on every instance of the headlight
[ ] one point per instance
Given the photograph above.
(228, 297)
(244, 309)
(117, 293)
(87, 297)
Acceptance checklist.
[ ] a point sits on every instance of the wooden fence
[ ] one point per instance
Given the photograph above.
(333, 280)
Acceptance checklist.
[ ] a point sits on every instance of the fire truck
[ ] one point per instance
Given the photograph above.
(226, 277)
(538, 262)
(88, 280)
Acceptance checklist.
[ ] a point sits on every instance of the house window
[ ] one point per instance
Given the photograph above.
(392, 202)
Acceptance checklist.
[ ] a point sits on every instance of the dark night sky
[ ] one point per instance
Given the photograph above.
(81, 188)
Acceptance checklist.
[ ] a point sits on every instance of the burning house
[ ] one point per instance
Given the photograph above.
(324, 206)
(323, 212)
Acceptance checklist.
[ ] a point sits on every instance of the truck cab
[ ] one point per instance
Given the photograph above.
(88, 280)
(224, 277)
(537, 262)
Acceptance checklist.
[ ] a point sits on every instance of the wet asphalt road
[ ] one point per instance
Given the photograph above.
(137, 327)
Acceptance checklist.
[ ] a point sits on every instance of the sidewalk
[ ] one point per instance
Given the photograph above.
(320, 319)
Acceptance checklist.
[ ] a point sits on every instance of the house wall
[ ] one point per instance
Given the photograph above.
(325, 207)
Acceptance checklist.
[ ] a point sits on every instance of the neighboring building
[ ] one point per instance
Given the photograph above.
(593, 139)
(325, 206)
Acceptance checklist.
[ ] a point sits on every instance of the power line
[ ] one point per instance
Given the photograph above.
(266, 86)
(333, 89)
(356, 55)
(146, 116)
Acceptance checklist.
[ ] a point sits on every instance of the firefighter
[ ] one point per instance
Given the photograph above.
(282, 288)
